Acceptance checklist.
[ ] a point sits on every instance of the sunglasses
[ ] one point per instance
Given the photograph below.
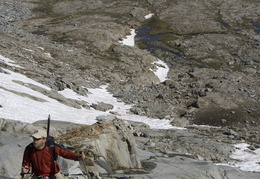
(37, 139)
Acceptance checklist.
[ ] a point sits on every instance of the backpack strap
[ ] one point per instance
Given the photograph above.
(30, 150)
(51, 144)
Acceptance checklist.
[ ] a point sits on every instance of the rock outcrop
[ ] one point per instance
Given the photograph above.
(109, 146)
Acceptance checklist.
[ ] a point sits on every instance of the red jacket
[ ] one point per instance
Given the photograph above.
(42, 161)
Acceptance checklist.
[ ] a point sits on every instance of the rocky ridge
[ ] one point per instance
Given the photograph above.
(122, 149)
(213, 79)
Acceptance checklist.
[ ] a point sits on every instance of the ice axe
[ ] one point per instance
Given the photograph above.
(48, 125)
(83, 166)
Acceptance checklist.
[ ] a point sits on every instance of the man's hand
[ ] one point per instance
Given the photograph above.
(81, 156)
(25, 169)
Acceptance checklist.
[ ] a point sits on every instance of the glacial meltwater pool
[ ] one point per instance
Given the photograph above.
(257, 27)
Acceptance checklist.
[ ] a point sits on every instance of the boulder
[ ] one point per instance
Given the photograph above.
(112, 145)
(182, 167)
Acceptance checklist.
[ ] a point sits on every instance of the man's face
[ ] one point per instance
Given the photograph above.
(39, 143)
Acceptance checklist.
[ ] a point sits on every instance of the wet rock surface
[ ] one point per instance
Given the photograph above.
(211, 48)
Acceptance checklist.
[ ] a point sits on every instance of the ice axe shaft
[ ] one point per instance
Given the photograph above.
(83, 166)
(48, 125)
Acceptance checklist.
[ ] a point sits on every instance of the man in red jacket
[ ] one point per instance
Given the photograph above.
(38, 157)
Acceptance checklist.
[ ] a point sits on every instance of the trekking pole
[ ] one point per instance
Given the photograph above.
(22, 174)
(83, 167)
(25, 175)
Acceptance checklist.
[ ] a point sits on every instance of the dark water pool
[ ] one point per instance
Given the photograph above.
(152, 41)
(257, 27)
(155, 47)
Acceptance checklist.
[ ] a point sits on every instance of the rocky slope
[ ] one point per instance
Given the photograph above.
(120, 149)
(211, 48)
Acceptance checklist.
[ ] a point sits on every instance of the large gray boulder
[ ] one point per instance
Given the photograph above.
(11, 153)
(184, 167)
(110, 145)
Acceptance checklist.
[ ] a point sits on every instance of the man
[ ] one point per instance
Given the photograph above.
(39, 158)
